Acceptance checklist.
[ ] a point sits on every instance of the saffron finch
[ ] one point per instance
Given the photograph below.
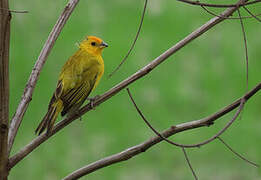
(78, 78)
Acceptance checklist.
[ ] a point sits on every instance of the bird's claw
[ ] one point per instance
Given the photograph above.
(92, 100)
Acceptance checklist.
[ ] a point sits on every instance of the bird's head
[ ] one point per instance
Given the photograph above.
(93, 45)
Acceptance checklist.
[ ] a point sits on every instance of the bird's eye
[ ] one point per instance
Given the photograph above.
(93, 43)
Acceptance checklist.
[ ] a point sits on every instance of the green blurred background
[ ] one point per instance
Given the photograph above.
(203, 77)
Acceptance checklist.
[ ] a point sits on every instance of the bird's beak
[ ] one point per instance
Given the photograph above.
(103, 44)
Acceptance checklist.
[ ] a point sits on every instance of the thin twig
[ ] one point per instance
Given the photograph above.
(241, 106)
(148, 124)
(237, 154)
(245, 44)
(251, 2)
(244, 35)
(233, 18)
(139, 74)
(254, 16)
(197, 3)
(190, 166)
(134, 42)
(15, 11)
(157, 133)
(27, 96)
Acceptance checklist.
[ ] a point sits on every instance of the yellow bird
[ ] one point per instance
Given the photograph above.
(79, 77)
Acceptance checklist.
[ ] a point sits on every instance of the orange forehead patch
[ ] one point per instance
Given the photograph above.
(94, 38)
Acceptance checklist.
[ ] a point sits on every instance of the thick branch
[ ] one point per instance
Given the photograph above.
(27, 96)
(5, 18)
(138, 149)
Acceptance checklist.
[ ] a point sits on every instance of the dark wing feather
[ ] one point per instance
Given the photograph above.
(47, 121)
(76, 96)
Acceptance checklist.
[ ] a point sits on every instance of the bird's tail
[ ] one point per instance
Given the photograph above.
(49, 119)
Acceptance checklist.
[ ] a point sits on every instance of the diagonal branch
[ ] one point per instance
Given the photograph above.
(139, 74)
(27, 96)
(138, 149)
(254, 16)
(237, 154)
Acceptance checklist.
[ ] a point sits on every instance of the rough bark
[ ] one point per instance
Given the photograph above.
(5, 18)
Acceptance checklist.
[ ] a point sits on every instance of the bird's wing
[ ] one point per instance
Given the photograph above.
(57, 94)
(76, 96)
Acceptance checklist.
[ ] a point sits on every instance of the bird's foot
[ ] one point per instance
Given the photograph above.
(92, 100)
